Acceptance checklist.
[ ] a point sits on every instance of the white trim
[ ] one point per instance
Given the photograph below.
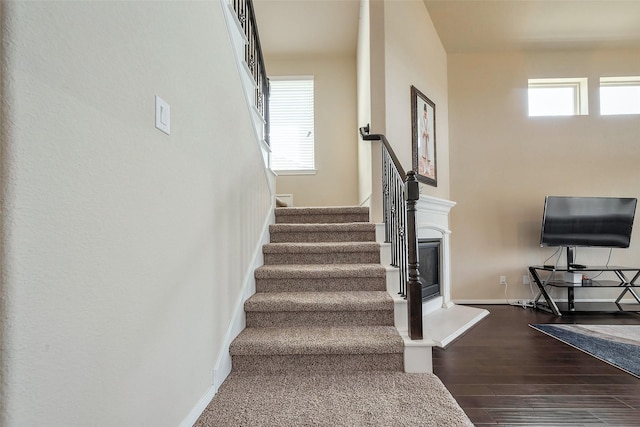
(432, 221)
(222, 366)
(418, 354)
(434, 204)
(613, 107)
(237, 324)
(296, 172)
(446, 325)
(238, 40)
(197, 410)
(307, 77)
(366, 202)
(482, 301)
(619, 80)
(286, 198)
(580, 94)
(380, 232)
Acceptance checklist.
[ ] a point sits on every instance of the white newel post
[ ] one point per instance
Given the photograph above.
(432, 222)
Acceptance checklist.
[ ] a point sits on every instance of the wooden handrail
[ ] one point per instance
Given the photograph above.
(364, 132)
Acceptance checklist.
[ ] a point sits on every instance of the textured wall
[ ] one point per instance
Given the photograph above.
(124, 249)
(335, 182)
(503, 163)
(415, 56)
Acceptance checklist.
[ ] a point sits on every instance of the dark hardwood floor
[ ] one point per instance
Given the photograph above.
(503, 372)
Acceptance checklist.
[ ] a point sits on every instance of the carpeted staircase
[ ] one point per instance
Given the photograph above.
(321, 302)
(320, 347)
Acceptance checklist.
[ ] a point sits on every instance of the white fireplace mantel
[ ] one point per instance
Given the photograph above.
(432, 222)
(443, 320)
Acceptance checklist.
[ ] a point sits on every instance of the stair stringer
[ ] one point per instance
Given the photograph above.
(239, 41)
(418, 354)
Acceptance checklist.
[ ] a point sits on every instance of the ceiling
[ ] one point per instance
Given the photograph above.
(323, 27)
(497, 25)
(308, 27)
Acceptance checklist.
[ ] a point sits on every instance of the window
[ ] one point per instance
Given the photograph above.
(558, 97)
(291, 125)
(619, 95)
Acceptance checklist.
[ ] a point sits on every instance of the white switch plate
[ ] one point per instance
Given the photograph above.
(163, 115)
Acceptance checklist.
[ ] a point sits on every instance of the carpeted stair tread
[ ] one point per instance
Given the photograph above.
(336, 232)
(333, 399)
(317, 215)
(322, 228)
(316, 271)
(320, 277)
(318, 340)
(319, 301)
(320, 247)
(321, 253)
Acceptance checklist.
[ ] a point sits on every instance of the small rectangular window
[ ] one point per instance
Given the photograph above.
(619, 95)
(291, 115)
(558, 97)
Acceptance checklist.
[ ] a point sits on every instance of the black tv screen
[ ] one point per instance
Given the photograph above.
(587, 221)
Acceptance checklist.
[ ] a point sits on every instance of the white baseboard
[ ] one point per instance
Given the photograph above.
(222, 367)
(480, 301)
(223, 364)
(286, 198)
(366, 202)
(199, 408)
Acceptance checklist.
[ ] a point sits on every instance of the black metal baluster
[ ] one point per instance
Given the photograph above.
(399, 206)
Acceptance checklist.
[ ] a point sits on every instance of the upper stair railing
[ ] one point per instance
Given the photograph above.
(254, 59)
(400, 193)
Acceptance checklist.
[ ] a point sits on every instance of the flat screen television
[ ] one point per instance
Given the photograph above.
(587, 221)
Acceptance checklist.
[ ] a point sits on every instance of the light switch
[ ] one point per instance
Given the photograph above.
(163, 115)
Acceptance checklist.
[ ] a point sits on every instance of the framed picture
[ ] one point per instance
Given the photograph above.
(423, 124)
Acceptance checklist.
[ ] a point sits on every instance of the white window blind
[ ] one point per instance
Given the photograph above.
(291, 124)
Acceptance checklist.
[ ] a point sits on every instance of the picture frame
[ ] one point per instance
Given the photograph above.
(424, 148)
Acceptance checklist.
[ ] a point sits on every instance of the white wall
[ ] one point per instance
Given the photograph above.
(335, 182)
(363, 65)
(503, 163)
(415, 56)
(405, 50)
(124, 250)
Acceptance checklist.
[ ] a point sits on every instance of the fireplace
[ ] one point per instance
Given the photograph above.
(429, 267)
(432, 222)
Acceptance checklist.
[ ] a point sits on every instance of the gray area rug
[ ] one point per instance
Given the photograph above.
(618, 345)
(326, 399)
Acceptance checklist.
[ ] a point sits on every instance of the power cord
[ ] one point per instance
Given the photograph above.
(520, 303)
(557, 252)
(606, 265)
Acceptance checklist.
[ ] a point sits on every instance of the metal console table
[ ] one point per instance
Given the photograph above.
(555, 278)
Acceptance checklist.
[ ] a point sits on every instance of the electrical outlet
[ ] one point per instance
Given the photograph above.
(526, 280)
(503, 280)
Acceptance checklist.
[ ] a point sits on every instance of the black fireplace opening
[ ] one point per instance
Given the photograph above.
(429, 267)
